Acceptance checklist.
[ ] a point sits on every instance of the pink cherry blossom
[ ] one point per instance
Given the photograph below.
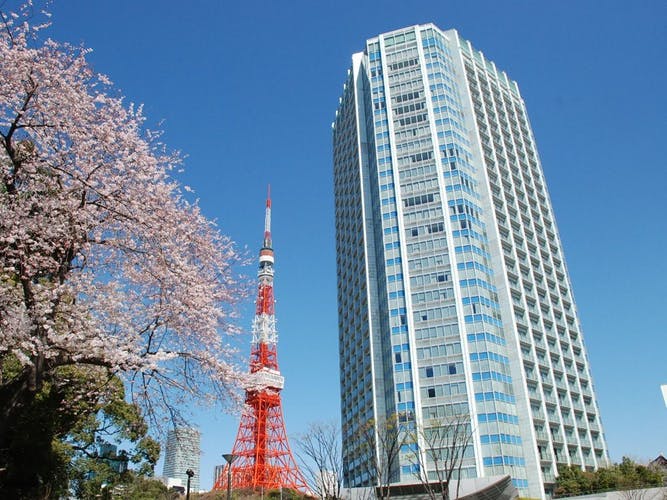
(103, 260)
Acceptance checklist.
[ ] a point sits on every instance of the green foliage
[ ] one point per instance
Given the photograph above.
(55, 442)
(133, 487)
(147, 489)
(627, 475)
(212, 495)
(34, 451)
(606, 479)
(573, 481)
(634, 476)
(141, 488)
(285, 494)
(113, 420)
(249, 494)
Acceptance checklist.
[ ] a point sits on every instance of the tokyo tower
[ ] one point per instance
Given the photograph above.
(262, 458)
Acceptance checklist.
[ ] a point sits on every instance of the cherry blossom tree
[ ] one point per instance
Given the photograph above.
(103, 260)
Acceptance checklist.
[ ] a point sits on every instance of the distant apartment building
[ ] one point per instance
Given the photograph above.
(117, 461)
(453, 294)
(182, 452)
(217, 470)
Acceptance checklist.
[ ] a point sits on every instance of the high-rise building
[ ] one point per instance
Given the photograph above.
(182, 452)
(217, 471)
(453, 295)
(108, 452)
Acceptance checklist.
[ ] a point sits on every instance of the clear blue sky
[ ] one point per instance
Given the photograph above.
(248, 91)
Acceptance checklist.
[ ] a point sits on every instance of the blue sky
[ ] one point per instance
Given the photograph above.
(248, 91)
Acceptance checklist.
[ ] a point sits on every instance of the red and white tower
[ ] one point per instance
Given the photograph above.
(263, 459)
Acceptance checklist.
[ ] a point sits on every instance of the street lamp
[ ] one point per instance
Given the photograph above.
(229, 458)
(189, 473)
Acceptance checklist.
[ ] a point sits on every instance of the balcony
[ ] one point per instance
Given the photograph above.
(542, 435)
(534, 396)
(550, 399)
(537, 414)
(548, 476)
(564, 402)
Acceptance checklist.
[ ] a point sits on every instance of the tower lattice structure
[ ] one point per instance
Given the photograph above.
(263, 458)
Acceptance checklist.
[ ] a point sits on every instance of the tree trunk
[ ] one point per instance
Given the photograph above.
(27, 429)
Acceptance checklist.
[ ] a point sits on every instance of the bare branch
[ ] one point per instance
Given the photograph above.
(445, 443)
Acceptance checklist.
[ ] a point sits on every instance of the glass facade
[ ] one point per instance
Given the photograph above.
(182, 452)
(452, 291)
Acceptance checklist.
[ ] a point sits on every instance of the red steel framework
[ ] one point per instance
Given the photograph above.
(263, 458)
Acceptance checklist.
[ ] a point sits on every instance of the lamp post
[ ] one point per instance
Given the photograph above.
(229, 458)
(189, 473)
